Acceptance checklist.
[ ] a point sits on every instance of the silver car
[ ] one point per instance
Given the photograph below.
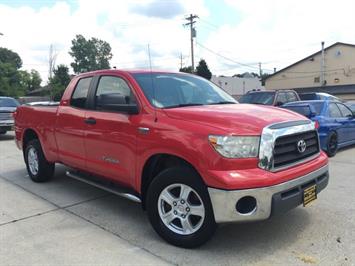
(7, 108)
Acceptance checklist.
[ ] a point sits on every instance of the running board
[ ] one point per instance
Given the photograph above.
(112, 189)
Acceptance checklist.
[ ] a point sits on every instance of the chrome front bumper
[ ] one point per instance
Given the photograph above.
(273, 199)
(6, 123)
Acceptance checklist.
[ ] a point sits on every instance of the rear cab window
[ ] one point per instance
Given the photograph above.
(80, 94)
(281, 98)
(291, 97)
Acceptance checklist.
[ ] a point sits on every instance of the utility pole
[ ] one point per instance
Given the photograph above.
(191, 23)
(260, 71)
(51, 61)
(181, 60)
(322, 66)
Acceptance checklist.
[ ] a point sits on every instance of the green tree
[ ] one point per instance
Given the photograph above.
(186, 69)
(90, 54)
(264, 76)
(10, 57)
(203, 70)
(12, 80)
(59, 82)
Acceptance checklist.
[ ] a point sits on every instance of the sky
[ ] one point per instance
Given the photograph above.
(233, 36)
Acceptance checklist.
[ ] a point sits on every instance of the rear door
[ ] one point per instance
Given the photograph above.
(348, 122)
(112, 137)
(336, 118)
(71, 124)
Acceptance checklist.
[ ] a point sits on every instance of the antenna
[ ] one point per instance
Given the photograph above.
(153, 87)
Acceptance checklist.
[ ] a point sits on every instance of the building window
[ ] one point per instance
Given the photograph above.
(316, 79)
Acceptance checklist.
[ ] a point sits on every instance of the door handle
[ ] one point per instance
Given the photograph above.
(90, 121)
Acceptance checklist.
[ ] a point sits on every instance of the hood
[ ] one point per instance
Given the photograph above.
(248, 119)
(7, 109)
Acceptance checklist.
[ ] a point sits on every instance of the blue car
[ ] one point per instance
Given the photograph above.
(335, 122)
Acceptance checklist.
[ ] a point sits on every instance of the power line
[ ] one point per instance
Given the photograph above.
(227, 58)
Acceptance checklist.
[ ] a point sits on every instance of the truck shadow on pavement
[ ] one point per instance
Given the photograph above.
(6, 137)
(248, 242)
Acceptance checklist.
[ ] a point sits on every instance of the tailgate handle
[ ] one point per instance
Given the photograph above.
(90, 121)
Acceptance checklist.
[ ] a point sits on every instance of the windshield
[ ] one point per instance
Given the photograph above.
(8, 102)
(258, 98)
(177, 90)
(308, 96)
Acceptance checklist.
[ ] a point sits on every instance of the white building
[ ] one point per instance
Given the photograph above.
(238, 86)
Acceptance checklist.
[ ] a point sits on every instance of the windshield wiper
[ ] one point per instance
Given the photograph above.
(223, 102)
(183, 105)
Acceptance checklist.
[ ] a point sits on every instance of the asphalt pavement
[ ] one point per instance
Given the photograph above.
(66, 222)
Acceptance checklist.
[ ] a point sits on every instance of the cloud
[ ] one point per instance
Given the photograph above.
(278, 33)
(159, 9)
(30, 31)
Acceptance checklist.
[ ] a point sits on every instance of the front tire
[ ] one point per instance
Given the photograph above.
(38, 168)
(332, 144)
(179, 208)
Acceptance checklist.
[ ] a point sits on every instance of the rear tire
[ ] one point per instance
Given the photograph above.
(179, 208)
(332, 144)
(38, 168)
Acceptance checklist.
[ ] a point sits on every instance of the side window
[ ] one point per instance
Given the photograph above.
(334, 110)
(344, 110)
(291, 97)
(281, 98)
(113, 90)
(80, 94)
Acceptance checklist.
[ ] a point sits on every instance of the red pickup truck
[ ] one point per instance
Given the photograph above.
(178, 144)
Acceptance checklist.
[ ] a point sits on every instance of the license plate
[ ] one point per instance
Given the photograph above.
(309, 195)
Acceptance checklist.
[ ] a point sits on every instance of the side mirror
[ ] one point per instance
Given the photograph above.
(279, 103)
(131, 109)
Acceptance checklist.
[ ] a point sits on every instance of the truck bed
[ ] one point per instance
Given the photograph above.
(40, 118)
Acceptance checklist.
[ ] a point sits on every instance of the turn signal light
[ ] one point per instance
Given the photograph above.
(316, 124)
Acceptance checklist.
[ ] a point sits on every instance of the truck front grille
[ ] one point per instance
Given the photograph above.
(288, 149)
(5, 116)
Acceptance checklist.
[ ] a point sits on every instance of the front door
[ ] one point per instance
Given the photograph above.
(111, 138)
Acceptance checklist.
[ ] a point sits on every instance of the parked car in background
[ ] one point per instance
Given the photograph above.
(335, 122)
(275, 98)
(7, 108)
(318, 96)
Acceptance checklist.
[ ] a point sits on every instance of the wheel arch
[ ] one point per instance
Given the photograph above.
(28, 135)
(157, 163)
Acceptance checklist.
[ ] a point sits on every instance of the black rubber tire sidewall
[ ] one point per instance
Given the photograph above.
(45, 168)
(329, 152)
(189, 177)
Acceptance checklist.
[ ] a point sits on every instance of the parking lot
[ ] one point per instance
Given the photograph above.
(67, 222)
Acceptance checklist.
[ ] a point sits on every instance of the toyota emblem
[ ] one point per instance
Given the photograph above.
(301, 146)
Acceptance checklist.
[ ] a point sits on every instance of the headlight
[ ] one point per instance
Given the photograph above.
(236, 146)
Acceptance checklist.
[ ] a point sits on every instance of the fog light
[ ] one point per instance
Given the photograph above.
(246, 205)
